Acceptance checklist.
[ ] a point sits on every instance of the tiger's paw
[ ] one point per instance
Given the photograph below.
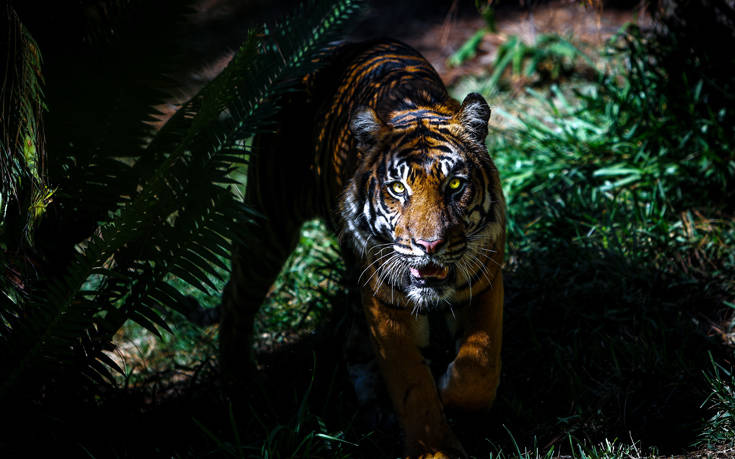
(441, 455)
(448, 452)
(448, 447)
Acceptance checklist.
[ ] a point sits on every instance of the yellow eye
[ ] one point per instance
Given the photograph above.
(454, 184)
(397, 187)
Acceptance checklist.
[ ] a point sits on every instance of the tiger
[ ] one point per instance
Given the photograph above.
(373, 144)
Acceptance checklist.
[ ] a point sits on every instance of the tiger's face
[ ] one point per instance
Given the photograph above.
(425, 207)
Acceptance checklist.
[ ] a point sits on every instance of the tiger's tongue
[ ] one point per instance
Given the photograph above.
(430, 270)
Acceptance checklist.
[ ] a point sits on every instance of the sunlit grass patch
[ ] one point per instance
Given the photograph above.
(300, 298)
(173, 356)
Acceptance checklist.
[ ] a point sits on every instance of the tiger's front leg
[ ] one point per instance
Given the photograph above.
(395, 335)
(472, 378)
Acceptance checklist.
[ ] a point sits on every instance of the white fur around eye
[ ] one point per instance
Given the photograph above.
(398, 189)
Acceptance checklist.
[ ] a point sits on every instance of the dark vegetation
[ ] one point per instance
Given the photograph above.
(618, 168)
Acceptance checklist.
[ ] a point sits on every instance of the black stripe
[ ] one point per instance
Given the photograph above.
(396, 243)
(423, 114)
(445, 149)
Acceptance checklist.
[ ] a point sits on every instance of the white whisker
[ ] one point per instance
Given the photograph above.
(384, 270)
(489, 257)
(468, 277)
(371, 264)
(377, 270)
(476, 262)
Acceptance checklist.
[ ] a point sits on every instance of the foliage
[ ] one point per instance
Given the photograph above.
(307, 285)
(607, 449)
(619, 195)
(23, 186)
(548, 59)
(616, 156)
(720, 428)
(468, 50)
(166, 209)
(306, 290)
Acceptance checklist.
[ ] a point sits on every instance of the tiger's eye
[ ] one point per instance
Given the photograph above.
(398, 187)
(454, 184)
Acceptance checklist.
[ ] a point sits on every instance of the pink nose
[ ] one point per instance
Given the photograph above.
(430, 246)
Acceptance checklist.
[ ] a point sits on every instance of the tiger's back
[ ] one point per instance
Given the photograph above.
(385, 74)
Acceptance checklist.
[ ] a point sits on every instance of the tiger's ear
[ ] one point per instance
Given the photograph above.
(366, 127)
(473, 115)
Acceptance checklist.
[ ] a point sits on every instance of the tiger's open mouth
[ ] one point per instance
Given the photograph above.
(429, 272)
(429, 284)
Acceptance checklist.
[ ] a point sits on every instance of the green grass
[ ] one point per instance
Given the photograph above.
(621, 257)
(301, 296)
(720, 427)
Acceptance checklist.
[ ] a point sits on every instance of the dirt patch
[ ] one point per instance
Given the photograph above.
(435, 28)
(568, 18)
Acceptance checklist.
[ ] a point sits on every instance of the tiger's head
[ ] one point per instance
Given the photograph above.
(424, 209)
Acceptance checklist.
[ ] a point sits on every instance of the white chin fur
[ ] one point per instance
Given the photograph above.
(424, 297)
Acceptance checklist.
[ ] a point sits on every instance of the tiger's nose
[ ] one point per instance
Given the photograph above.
(430, 246)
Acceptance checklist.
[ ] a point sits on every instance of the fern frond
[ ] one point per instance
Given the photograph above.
(181, 220)
(101, 94)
